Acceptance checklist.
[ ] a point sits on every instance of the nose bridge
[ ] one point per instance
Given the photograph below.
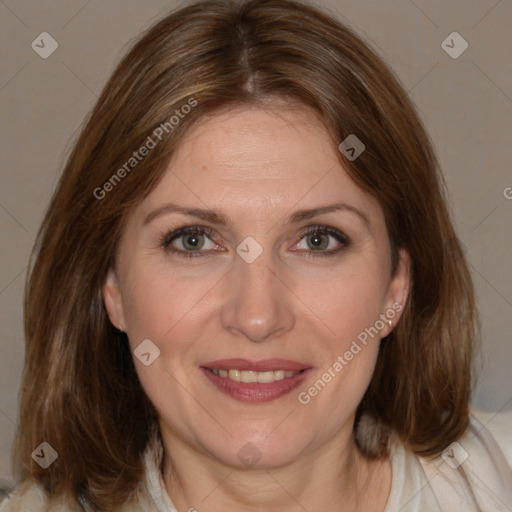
(257, 304)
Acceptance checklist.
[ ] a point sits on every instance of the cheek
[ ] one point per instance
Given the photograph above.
(349, 351)
(347, 305)
(163, 307)
(166, 310)
(350, 309)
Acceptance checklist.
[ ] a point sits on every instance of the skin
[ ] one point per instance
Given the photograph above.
(257, 166)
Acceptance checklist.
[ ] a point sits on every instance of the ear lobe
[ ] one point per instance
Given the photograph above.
(399, 288)
(113, 301)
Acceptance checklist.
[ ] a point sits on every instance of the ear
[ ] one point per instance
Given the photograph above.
(113, 301)
(398, 292)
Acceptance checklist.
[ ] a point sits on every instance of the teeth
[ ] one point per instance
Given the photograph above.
(234, 375)
(250, 376)
(266, 377)
(279, 375)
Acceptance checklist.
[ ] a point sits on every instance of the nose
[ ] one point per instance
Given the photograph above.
(258, 303)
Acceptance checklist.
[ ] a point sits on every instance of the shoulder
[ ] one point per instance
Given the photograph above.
(29, 496)
(499, 426)
(475, 468)
(25, 496)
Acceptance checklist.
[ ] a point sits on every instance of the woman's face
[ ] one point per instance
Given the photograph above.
(290, 321)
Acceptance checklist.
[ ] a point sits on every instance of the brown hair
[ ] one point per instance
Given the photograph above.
(80, 391)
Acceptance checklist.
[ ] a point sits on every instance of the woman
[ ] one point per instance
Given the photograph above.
(247, 292)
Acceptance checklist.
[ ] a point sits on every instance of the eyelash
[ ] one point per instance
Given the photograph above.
(166, 240)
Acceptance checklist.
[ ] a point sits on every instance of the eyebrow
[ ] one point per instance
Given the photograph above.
(219, 218)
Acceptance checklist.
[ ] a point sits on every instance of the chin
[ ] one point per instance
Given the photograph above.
(258, 452)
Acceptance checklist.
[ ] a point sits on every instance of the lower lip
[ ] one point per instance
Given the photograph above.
(256, 392)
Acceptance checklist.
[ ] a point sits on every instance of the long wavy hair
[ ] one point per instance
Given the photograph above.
(80, 392)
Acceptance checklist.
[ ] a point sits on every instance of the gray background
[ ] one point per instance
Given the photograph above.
(466, 104)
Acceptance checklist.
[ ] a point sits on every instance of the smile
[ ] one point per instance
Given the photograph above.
(251, 376)
(255, 381)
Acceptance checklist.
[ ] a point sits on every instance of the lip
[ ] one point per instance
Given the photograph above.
(256, 392)
(265, 365)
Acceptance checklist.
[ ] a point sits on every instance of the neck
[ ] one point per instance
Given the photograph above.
(312, 482)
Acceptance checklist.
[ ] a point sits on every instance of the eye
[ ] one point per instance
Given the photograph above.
(188, 241)
(194, 241)
(316, 240)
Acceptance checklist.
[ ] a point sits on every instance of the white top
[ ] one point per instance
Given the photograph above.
(418, 485)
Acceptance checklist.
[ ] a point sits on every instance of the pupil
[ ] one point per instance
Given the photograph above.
(192, 241)
(316, 240)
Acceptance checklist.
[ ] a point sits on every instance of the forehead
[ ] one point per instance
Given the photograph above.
(252, 159)
(254, 145)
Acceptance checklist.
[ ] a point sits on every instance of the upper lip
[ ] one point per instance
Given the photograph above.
(264, 365)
